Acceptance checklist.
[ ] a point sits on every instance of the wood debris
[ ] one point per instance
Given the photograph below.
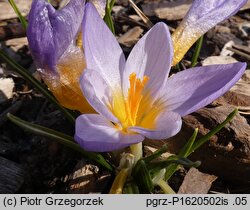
(11, 176)
(87, 178)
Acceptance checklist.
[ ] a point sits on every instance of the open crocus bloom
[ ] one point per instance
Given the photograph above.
(135, 98)
(52, 39)
(202, 16)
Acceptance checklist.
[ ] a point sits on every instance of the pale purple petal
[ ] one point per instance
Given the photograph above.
(50, 32)
(151, 56)
(202, 16)
(195, 88)
(167, 125)
(100, 5)
(206, 14)
(95, 133)
(101, 48)
(97, 92)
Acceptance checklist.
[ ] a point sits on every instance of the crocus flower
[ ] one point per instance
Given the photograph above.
(201, 17)
(135, 99)
(53, 41)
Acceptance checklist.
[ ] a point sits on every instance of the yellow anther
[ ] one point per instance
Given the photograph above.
(136, 108)
(134, 97)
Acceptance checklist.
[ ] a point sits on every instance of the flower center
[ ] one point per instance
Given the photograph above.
(131, 110)
(134, 97)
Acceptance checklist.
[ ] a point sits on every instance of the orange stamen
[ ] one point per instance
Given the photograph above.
(134, 97)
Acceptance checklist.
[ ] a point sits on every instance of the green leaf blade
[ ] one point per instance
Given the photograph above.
(25, 74)
(59, 137)
(197, 51)
(17, 11)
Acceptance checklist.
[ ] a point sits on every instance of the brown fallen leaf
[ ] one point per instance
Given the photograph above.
(227, 153)
(131, 37)
(218, 60)
(175, 10)
(196, 182)
(246, 6)
(239, 94)
(17, 43)
(87, 178)
(9, 13)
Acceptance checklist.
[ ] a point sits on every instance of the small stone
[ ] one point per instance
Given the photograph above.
(6, 89)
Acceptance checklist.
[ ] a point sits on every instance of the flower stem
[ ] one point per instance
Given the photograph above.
(165, 187)
(119, 182)
(136, 150)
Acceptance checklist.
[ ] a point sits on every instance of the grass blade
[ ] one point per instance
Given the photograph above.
(188, 147)
(142, 177)
(20, 16)
(205, 138)
(197, 51)
(158, 165)
(171, 169)
(156, 154)
(108, 17)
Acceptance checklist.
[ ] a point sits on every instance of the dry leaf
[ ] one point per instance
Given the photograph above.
(9, 13)
(218, 60)
(175, 10)
(196, 182)
(131, 37)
